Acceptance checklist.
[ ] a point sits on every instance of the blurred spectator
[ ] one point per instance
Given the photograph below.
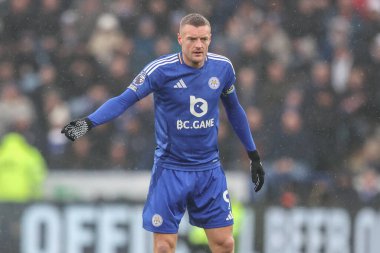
(353, 107)
(304, 52)
(272, 92)
(144, 41)
(244, 22)
(102, 141)
(345, 195)
(275, 40)
(285, 175)
(88, 12)
(28, 79)
(95, 96)
(366, 156)
(164, 45)
(137, 127)
(119, 74)
(106, 39)
(26, 54)
(321, 194)
(368, 187)
(7, 71)
(200, 6)
(16, 109)
(374, 76)
(252, 54)
(47, 23)
(257, 125)
(294, 99)
(127, 12)
(118, 155)
(69, 27)
(247, 86)
(22, 170)
(288, 137)
(340, 69)
(19, 19)
(79, 156)
(320, 116)
(302, 19)
(159, 11)
(57, 112)
(288, 164)
(83, 71)
(46, 82)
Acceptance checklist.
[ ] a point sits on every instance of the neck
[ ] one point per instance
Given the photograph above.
(192, 63)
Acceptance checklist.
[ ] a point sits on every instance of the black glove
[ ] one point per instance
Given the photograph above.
(77, 128)
(257, 171)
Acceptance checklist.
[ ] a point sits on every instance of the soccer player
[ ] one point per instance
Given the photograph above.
(187, 173)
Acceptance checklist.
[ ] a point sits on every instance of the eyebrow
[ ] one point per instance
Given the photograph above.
(195, 37)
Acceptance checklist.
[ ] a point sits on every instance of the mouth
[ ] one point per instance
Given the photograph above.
(198, 53)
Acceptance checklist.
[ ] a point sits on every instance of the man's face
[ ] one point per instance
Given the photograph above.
(194, 42)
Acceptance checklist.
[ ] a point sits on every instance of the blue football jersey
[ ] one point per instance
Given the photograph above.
(186, 108)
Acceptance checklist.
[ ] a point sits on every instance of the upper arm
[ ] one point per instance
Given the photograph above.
(228, 96)
(230, 79)
(142, 85)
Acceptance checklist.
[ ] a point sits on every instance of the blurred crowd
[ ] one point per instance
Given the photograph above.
(308, 76)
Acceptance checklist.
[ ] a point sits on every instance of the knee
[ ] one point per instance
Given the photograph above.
(163, 247)
(226, 245)
(229, 244)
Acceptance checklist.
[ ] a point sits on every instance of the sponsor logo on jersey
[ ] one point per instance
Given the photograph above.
(180, 84)
(196, 124)
(198, 106)
(157, 220)
(213, 83)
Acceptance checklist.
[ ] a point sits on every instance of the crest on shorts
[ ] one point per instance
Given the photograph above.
(157, 220)
(213, 83)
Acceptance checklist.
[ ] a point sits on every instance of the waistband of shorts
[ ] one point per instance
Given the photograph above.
(186, 167)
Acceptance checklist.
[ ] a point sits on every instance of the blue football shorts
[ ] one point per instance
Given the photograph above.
(203, 193)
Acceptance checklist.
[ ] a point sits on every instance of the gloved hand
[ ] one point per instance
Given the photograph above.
(257, 171)
(77, 128)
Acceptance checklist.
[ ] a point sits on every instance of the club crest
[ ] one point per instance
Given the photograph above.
(213, 83)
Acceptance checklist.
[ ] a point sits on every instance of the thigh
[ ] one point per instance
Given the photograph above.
(166, 201)
(209, 205)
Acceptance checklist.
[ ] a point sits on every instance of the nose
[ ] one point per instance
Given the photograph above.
(198, 43)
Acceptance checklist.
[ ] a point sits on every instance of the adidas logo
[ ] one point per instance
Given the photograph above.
(180, 84)
(230, 217)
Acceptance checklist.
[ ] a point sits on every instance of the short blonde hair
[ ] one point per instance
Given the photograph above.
(194, 19)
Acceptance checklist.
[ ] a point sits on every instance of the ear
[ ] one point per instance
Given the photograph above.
(179, 38)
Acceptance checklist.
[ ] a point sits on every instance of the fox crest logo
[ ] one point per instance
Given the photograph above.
(157, 220)
(198, 106)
